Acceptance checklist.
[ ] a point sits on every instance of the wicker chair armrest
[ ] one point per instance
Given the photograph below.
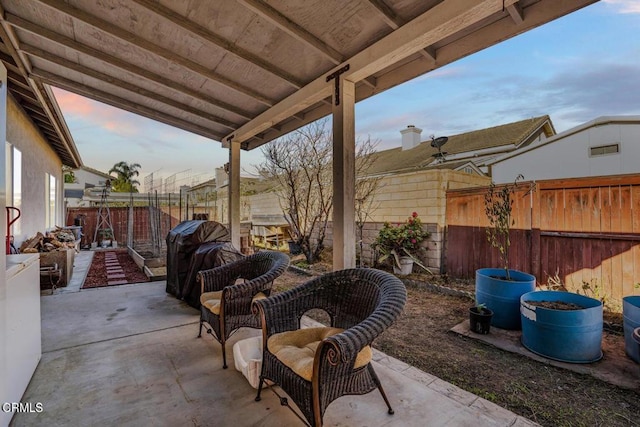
(347, 344)
(279, 314)
(216, 279)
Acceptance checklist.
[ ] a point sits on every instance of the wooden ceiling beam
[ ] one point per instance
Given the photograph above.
(24, 93)
(267, 12)
(391, 19)
(222, 43)
(35, 109)
(69, 43)
(143, 44)
(39, 53)
(44, 126)
(115, 101)
(516, 12)
(441, 21)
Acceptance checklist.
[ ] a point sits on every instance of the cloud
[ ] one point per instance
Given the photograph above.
(624, 6)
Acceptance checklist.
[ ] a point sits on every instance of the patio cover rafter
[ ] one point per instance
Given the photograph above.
(108, 98)
(293, 29)
(208, 35)
(144, 44)
(452, 29)
(442, 21)
(118, 63)
(118, 83)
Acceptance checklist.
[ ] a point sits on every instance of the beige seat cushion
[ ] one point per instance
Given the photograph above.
(296, 349)
(211, 300)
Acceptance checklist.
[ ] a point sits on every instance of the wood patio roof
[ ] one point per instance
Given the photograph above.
(250, 69)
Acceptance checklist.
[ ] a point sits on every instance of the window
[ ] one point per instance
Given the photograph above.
(603, 150)
(14, 182)
(50, 206)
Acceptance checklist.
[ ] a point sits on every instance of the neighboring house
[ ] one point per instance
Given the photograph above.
(210, 200)
(415, 177)
(467, 152)
(84, 179)
(602, 147)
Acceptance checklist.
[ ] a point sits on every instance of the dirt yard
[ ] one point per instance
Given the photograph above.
(545, 394)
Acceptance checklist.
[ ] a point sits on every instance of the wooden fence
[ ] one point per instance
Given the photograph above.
(147, 225)
(585, 230)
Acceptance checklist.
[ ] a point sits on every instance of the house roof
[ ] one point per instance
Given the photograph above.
(510, 135)
(96, 172)
(246, 70)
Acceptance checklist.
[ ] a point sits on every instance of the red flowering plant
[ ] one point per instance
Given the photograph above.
(395, 241)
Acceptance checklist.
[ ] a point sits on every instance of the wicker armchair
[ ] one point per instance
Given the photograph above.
(361, 303)
(228, 290)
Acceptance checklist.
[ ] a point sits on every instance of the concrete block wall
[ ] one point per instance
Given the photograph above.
(424, 192)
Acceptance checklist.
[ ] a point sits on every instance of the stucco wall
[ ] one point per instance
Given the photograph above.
(38, 158)
(569, 157)
(264, 205)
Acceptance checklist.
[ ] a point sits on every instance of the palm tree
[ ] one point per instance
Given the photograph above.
(124, 182)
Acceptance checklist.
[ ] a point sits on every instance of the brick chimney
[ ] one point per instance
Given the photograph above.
(410, 137)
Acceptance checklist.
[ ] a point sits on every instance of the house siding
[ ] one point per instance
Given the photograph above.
(568, 155)
(38, 158)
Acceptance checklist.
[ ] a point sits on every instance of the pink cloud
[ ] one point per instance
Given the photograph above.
(100, 115)
(625, 6)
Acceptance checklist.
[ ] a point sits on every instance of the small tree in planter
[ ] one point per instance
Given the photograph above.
(500, 289)
(498, 205)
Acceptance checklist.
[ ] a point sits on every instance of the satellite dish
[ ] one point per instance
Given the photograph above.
(438, 143)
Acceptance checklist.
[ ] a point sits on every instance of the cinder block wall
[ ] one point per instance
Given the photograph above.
(424, 192)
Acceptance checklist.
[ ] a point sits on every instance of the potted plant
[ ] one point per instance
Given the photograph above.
(480, 318)
(106, 234)
(400, 243)
(501, 288)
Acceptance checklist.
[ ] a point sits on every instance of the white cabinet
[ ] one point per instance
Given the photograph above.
(22, 327)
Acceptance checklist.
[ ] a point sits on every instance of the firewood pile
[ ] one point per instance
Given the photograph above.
(59, 239)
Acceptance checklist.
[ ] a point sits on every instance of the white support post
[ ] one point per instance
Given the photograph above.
(344, 175)
(234, 193)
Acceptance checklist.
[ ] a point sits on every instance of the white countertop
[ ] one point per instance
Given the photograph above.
(17, 263)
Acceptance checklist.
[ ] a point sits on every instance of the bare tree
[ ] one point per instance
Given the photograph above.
(300, 164)
(365, 190)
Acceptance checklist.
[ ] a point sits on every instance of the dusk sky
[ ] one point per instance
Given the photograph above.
(574, 69)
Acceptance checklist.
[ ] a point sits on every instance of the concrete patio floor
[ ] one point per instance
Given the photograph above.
(128, 355)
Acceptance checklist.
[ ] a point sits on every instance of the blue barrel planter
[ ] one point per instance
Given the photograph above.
(630, 321)
(573, 336)
(503, 296)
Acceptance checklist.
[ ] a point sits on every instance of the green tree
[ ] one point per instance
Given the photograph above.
(69, 176)
(124, 181)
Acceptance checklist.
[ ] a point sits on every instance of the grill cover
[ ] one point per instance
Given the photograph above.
(208, 255)
(182, 242)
